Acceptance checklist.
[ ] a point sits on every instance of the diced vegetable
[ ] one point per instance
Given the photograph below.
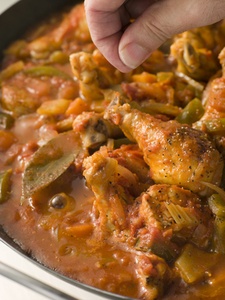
(213, 125)
(160, 108)
(11, 70)
(65, 124)
(195, 84)
(5, 183)
(217, 205)
(54, 107)
(7, 138)
(194, 264)
(165, 77)
(59, 57)
(144, 77)
(47, 71)
(215, 188)
(79, 230)
(191, 113)
(182, 216)
(77, 107)
(152, 107)
(6, 121)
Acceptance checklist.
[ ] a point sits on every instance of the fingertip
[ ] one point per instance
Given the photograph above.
(123, 68)
(132, 54)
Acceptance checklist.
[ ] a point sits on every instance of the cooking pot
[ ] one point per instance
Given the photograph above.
(13, 23)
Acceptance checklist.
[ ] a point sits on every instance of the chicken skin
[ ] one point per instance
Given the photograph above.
(154, 226)
(177, 154)
(115, 185)
(196, 51)
(213, 120)
(165, 217)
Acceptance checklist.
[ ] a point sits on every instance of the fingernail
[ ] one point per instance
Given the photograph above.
(132, 55)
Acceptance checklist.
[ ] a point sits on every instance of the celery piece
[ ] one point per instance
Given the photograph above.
(11, 70)
(219, 238)
(217, 205)
(59, 57)
(165, 77)
(195, 84)
(5, 185)
(192, 112)
(183, 216)
(212, 126)
(6, 121)
(152, 107)
(47, 71)
(194, 264)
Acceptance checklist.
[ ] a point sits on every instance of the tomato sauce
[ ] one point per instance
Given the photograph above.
(77, 190)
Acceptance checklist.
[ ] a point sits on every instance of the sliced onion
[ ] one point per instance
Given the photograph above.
(215, 188)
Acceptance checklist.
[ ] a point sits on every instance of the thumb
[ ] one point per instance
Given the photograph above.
(161, 21)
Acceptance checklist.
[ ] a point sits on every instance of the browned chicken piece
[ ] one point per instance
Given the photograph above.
(222, 60)
(176, 153)
(165, 217)
(154, 226)
(86, 71)
(213, 120)
(94, 130)
(131, 157)
(114, 187)
(214, 99)
(154, 275)
(159, 221)
(214, 94)
(196, 51)
(94, 74)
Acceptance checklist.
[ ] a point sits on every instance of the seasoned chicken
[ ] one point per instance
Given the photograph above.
(94, 130)
(154, 275)
(212, 121)
(154, 226)
(94, 74)
(131, 157)
(160, 220)
(165, 217)
(196, 51)
(112, 185)
(176, 153)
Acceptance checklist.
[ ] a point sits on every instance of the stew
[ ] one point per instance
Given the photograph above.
(116, 180)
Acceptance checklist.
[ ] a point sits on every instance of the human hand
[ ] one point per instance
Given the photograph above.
(126, 45)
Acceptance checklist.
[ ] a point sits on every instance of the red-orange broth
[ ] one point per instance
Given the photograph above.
(57, 222)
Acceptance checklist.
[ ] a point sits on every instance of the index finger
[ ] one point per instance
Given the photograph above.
(106, 20)
(102, 5)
